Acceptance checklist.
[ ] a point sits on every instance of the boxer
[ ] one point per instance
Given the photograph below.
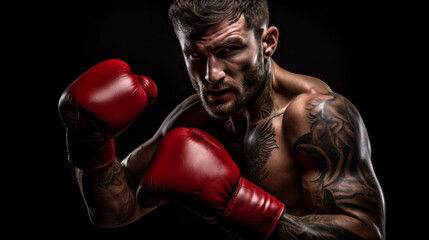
(259, 151)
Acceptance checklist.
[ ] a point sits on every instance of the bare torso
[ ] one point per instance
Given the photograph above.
(308, 147)
(263, 158)
(260, 148)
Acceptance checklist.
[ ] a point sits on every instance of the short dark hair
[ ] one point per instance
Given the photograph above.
(193, 16)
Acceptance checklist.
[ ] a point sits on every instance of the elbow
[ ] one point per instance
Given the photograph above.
(121, 219)
(103, 223)
(369, 232)
(373, 231)
(107, 222)
(366, 227)
(378, 233)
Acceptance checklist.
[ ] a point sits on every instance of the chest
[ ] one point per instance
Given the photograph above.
(258, 155)
(264, 158)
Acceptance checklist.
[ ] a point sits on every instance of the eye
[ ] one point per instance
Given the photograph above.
(196, 55)
(193, 54)
(231, 49)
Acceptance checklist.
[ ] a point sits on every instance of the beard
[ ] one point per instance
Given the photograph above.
(245, 90)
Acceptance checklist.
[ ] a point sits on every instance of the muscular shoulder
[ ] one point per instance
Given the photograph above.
(296, 119)
(291, 85)
(190, 113)
(321, 116)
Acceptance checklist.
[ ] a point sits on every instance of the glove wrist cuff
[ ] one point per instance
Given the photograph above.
(90, 154)
(252, 207)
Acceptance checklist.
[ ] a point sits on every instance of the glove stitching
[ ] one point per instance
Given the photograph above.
(276, 220)
(234, 196)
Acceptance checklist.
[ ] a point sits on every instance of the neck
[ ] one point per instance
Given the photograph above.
(261, 105)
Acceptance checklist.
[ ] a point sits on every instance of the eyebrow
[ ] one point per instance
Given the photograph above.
(229, 41)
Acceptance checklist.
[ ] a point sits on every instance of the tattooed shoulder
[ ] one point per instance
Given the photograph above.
(343, 197)
(344, 182)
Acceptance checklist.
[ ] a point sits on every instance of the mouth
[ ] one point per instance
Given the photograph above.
(218, 94)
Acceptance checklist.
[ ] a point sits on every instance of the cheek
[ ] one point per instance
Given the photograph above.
(238, 65)
(195, 70)
(245, 61)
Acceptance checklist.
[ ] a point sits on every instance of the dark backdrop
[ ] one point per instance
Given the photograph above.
(364, 50)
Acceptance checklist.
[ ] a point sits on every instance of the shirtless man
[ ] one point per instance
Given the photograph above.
(259, 151)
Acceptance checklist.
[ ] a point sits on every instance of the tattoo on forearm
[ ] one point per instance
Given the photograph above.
(344, 184)
(314, 227)
(115, 175)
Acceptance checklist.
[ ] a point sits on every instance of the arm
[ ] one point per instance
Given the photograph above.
(344, 199)
(95, 109)
(110, 193)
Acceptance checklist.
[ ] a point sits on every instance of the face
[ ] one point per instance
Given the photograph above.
(225, 65)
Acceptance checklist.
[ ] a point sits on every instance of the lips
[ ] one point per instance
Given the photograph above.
(218, 94)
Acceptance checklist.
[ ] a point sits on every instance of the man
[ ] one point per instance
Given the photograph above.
(259, 151)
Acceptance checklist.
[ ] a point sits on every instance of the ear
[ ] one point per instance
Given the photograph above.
(269, 41)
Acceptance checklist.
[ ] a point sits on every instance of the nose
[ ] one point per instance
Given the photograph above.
(214, 70)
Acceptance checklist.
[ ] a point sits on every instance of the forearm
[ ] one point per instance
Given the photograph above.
(323, 226)
(109, 195)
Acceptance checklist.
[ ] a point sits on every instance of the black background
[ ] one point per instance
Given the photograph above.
(365, 50)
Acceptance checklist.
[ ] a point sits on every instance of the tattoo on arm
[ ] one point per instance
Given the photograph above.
(114, 177)
(314, 227)
(108, 194)
(343, 176)
(344, 185)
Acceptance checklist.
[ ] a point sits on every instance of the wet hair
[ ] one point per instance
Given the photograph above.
(194, 16)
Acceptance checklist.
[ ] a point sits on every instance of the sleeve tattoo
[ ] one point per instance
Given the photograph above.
(345, 187)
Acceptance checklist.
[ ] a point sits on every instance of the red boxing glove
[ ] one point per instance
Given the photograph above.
(98, 106)
(194, 170)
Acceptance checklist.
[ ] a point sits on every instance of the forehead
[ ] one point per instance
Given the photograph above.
(215, 34)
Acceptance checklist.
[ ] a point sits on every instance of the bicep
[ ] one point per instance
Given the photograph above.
(334, 150)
